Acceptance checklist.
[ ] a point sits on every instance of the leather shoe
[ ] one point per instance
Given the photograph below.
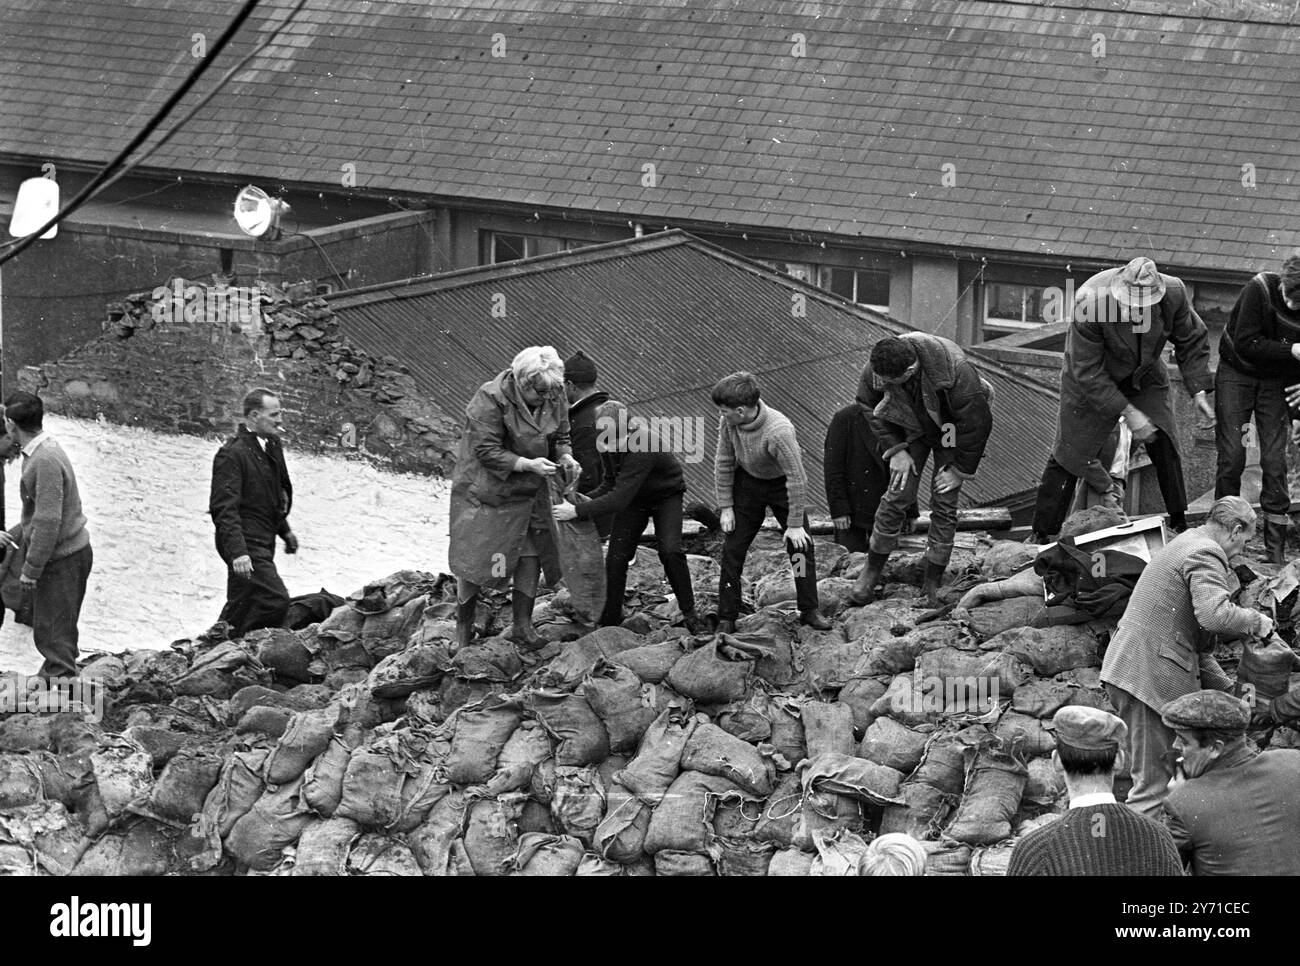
(814, 619)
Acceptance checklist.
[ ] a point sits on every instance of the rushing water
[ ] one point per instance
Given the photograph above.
(157, 576)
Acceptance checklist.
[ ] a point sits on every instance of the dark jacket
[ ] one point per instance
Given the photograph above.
(1108, 365)
(251, 494)
(856, 475)
(492, 505)
(1261, 330)
(1241, 816)
(582, 437)
(644, 479)
(952, 393)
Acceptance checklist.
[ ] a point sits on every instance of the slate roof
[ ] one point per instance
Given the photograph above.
(1055, 151)
(664, 317)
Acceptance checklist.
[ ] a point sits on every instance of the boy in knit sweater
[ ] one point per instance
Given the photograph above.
(52, 536)
(758, 466)
(1096, 836)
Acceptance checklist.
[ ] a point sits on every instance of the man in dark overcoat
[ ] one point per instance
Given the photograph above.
(250, 501)
(1114, 367)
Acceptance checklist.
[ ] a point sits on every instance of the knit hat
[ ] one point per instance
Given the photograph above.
(1138, 284)
(1210, 710)
(1089, 729)
(580, 370)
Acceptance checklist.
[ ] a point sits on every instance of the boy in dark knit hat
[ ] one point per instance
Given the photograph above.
(758, 466)
(1096, 836)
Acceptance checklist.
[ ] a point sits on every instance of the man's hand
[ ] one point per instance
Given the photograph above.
(565, 511)
(541, 466)
(290, 542)
(900, 468)
(842, 523)
(727, 519)
(1142, 428)
(798, 537)
(946, 480)
(28, 584)
(243, 567)
(571, 467)
(1203, 404)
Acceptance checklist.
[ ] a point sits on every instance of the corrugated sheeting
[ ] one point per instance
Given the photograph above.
(664, 317)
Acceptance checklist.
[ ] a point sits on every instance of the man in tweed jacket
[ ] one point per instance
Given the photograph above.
(1161, 649)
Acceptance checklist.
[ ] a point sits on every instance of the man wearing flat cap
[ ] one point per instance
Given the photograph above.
(1162, 647)
(584, 399)
(1114, 368)
(1237, 812)
(1096, 836)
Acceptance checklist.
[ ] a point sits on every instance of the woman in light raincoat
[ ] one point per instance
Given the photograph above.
(516, 436)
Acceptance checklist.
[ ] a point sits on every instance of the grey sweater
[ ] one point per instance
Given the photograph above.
(52, 525)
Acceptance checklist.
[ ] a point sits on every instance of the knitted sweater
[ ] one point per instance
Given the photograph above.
(1098, 840)
(53, 525)
(765, 447)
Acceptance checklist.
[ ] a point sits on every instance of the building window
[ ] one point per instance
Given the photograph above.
(1011, 307)
(863, 286)
(508, 248)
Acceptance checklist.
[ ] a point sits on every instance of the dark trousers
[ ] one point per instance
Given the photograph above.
(1056, 490)
(261, 600)
(627, 529)
(1236, 397)
(56, 608)
(751, 498)
(854, 539)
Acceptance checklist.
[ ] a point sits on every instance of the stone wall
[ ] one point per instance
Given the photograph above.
(183, 362)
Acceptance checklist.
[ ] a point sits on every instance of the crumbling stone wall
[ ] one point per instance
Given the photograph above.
(181, 360)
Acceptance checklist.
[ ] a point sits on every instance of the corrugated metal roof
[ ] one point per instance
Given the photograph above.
(1083, 133)
(664, 317)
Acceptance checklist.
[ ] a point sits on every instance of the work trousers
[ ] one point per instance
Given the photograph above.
(56, 607)
(854, 539)
(751, 499)
(625, 534)
(1148, 741)
(892, 513)
(1237, 397)
(261, 600)
(1056, 489)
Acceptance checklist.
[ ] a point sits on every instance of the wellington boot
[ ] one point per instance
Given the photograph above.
(864, 591)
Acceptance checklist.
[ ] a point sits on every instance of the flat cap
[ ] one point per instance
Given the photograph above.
(1089, 729)
(1216, 710)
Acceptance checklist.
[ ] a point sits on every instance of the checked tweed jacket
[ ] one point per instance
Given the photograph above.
(1161, 649)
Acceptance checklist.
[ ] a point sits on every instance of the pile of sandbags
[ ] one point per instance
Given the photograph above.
(363, 746)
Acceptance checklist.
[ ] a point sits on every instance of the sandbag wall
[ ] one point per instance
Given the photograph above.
(362, 746)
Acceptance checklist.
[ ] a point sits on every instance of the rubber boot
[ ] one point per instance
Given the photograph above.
(933, 580)
(523, 593)
(864, 591)
(1275, 541)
